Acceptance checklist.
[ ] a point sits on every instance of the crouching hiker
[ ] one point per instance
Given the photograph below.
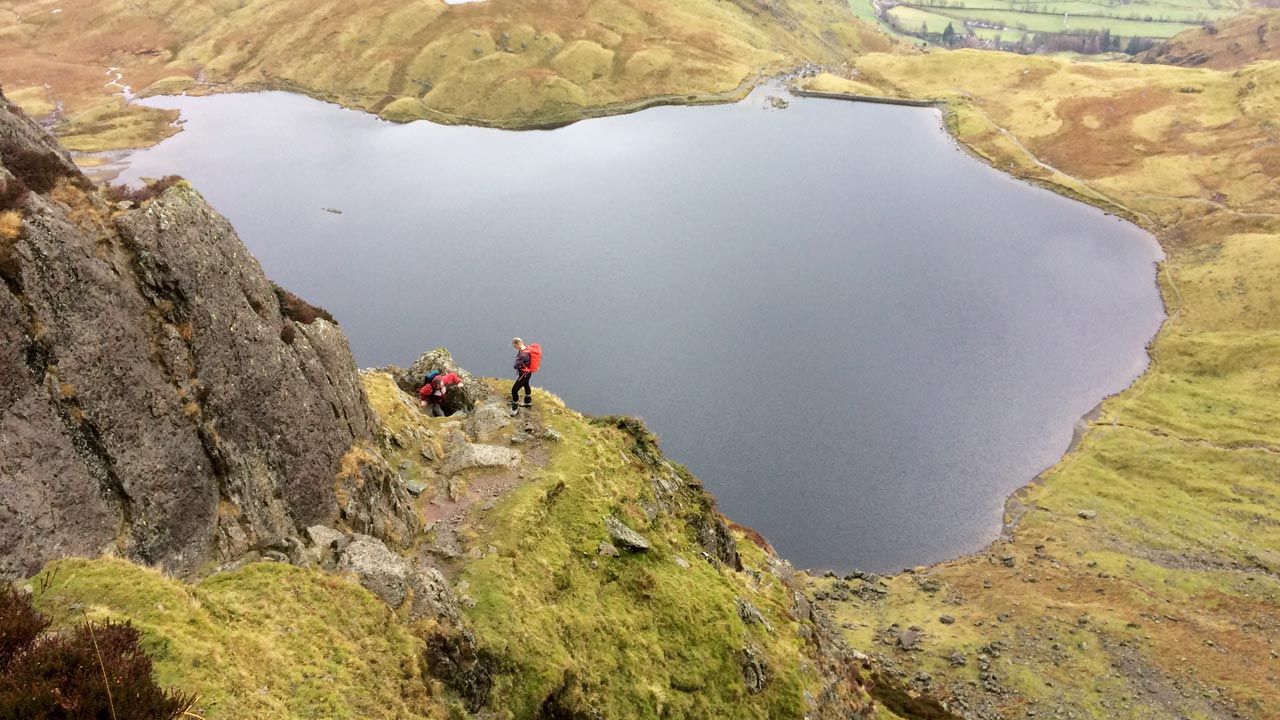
(528, 358)
(434, 387)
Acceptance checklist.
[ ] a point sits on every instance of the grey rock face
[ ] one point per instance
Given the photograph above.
(625, 536)
(150, 403)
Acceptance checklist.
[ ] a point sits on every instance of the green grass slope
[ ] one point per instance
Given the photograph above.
(266, 641)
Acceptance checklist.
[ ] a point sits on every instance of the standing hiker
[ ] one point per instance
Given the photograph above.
(528, 357)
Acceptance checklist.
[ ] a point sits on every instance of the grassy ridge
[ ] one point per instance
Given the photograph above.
(563, 630)
(509, 63)
(653, 634)
(1163, 596)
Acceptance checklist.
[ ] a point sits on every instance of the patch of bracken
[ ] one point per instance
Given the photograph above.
(39, 171)
(97, 670)
(12, 193)
(149, 191)
(299, 310)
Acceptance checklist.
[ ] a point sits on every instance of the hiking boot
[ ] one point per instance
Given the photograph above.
(515, 409)
(528, 403)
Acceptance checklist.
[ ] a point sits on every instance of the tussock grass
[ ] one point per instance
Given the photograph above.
(266, 641)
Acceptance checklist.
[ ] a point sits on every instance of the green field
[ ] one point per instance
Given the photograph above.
(1045, 23)
(1012, 20)
(1162, 12)
(866, 12)
(910, 19)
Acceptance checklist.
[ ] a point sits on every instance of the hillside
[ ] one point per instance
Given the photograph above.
(1137, 578)
(509, 63)
(1224, 45)
(1140, 576)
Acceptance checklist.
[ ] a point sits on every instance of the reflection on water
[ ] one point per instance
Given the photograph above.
(859, 337)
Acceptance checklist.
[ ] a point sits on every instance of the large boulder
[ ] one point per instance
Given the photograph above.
(463, 396)
(487, 419)
(379, 570)
(472, 455)
(161, 399)
(625, 536)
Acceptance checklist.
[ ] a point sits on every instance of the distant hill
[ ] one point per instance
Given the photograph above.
(509, 63)
(1225, 45)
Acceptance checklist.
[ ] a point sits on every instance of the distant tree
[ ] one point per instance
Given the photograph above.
(924, 29)
(949, 35)
(1134, 47)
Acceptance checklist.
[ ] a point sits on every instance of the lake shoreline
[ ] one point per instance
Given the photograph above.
(1006, 483)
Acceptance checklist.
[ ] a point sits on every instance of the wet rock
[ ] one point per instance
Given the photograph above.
(625, 536)
(1087, 514)
(1008, 560)
(946, 619)
(453, 657)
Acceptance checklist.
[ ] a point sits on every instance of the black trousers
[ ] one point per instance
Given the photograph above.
(522, 382)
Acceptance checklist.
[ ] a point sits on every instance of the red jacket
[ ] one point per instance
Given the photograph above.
(434, 391)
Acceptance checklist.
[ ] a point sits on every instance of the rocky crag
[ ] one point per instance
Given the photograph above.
(160, 399)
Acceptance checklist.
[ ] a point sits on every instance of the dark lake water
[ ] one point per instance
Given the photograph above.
(859, 337)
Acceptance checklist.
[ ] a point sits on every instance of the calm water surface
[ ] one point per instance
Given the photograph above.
(859, 337)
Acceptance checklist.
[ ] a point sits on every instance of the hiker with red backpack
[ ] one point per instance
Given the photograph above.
(434, 387)
(528, 357)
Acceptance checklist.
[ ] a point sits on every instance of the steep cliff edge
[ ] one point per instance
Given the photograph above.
(156, 399)
(162, 401)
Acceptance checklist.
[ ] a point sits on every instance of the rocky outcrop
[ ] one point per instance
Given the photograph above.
(461, 397)
(157, 398)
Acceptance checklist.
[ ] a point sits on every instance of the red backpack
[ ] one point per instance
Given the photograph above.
(535, 356)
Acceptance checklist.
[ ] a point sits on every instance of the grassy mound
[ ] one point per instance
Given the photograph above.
(266, 641)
